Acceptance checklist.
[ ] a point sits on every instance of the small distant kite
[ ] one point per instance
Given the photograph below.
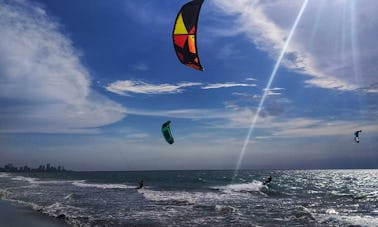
(166, 130)
(185, 34)
(357, 136)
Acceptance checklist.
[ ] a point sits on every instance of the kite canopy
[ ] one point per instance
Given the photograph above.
(356, 136)
(357, 133)
(185, 34)
(166, 130)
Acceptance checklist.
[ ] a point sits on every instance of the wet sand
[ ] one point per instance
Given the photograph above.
(15, 215)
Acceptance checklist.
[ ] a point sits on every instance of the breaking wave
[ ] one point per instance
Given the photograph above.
(254, 186)
(83, 184)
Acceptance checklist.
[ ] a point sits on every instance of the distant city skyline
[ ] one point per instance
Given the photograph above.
(88, 85)
(41, 168)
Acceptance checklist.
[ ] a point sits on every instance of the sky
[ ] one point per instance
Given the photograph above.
(87, 85)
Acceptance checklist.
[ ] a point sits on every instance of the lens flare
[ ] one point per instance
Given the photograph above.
(267, 88)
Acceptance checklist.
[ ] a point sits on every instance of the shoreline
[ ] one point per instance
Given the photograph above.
(16, 215)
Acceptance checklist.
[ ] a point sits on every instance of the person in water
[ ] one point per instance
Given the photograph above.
(140, 184)
(269, 179)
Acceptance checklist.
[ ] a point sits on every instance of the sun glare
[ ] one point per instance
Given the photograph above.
(267, 89)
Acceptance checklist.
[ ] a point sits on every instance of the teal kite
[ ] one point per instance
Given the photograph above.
(166, 130)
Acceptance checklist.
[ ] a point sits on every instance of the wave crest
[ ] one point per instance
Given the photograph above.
(83, 184)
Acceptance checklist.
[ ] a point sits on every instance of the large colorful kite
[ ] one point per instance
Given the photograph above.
(184, 34)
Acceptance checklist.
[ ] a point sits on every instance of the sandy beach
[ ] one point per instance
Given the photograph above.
(15, 215)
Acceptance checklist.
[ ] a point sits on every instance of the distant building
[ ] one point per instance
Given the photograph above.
(49, 168)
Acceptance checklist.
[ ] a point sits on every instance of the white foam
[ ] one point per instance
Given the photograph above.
(82, 184)
(27, 204)
(32, 180)
(56, 181)
(353, 220)
(331, 211)
(200, 197)
(160, 196)
(373, 194)
(2, 175)
(5, 193)
(254, 186)
(225, 209)
(26, 179)
(69, 196)
(182, 196)
(57, 208)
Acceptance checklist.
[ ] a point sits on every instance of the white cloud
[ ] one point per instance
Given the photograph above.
(312, 128)
(335, 42)
(181, 113)
(241, 94)
(237, 117)
(278, 126)
(125, 87)
(142, 12)
(227, 85)
(228, 51)
(141, 67)
(247, 95)
(129, 86)
(295, 127)
(273, 91)
(44, 87)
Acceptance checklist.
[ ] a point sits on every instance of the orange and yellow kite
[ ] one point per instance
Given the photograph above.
(184, 34)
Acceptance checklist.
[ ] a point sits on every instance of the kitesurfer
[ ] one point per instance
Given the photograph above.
(269, 179)
(356, 136)
(140, 185)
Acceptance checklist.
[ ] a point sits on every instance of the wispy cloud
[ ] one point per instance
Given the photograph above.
(142, 12)
(227, 85)
(236, 117)
(295, 127)
(41, 74)
(141, 66)
(228, 51)
(181, 113)
(125, 87)
(254, 97)
(273, 91)
(270, 92)
(311, 128)
(241, 94)
(339, 55)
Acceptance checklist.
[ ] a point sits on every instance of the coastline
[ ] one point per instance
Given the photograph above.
(15, 215)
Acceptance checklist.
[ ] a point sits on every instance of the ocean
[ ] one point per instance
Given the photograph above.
(200, 198)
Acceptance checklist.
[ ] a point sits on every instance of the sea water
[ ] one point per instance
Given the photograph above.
(200, 198)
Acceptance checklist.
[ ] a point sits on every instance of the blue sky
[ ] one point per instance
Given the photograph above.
(87, 85)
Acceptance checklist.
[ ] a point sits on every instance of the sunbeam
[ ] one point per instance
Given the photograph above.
(267, 88)
(355, 47)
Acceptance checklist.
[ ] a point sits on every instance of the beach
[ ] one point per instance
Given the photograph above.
(15, 215)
